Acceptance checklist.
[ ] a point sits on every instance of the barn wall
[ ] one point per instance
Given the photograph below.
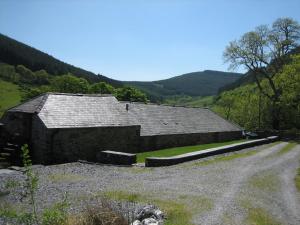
(40, 147)
(175, 140)
(68, 145)
(17, 126)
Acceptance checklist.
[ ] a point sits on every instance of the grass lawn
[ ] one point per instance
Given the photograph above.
(10, 95)
(182, 150)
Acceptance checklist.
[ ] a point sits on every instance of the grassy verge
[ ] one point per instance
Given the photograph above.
(266, 182)
(257, 215)
(178, 213)
(182, 150)
(297, 180)
(286, 148)
(10, 95)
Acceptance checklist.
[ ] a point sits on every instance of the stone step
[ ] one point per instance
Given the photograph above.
(9, 150)
(3, 159)
(5, 155)
(11, 145)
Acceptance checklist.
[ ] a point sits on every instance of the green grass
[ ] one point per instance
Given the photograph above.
(10, 95)
(177, 212)
(257, 215)
(265, 181)
(197, 101)
(286, 148)
(297, 180)
(181, 150)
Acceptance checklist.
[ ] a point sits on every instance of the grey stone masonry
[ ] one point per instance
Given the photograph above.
(118, 158)
(63, 127)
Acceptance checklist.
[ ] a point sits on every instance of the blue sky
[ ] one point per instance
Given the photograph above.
(138, 39)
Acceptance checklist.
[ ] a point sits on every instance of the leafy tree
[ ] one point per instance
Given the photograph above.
(244, 101)
(288, 81)
(263, 52)
(130, 94)
(41, 77)
(31, 92)
(70, 84)
(26, 75)
(101, 88)
(8, 73)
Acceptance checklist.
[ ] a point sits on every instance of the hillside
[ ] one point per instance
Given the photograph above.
(203, 83)
(248, 78)
(16, 53)
(10, 95)
(195, 101)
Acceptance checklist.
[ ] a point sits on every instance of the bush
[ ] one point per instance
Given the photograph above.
(103, 213)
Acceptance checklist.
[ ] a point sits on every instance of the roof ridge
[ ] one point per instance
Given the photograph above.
(152, 103)
(80, 94)
(42, 103)
(27, 101)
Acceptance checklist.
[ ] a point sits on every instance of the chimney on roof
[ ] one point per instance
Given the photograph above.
(127, 106)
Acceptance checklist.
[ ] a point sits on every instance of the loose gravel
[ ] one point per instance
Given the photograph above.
(215, 192)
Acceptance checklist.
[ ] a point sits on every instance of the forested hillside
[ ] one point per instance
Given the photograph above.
(271, 98)
(203, 83)
(247, 107)
(18, 83)
(26, 72)
(16, 53)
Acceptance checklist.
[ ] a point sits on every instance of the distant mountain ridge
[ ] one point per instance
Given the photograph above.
(205, 83)
(15, 53)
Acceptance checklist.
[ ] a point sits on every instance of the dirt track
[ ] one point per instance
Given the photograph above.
(216, 190)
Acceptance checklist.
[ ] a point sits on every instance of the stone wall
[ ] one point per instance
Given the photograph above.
(173, 160)
(148, 143)
(17, 126)
(50, 146)
(40, 146)
(71, 144)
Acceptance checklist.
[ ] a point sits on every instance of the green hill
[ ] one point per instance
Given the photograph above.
(16, 53)
(10, 95)
(203, 83)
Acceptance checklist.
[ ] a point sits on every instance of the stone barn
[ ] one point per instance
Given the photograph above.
(67, 127)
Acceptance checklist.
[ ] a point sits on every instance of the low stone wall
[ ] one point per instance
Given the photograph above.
(168, 161)
(116, 158)
(149, 143)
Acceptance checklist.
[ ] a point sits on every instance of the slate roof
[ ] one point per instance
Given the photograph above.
(58, 110)
(160, 120)
(69, 111)
(31, 106)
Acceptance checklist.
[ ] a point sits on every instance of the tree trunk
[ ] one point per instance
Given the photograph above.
(275, 115)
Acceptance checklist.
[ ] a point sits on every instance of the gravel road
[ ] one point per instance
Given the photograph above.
(217, 190)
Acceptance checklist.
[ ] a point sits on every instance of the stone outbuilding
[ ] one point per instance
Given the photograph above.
(66, 127)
